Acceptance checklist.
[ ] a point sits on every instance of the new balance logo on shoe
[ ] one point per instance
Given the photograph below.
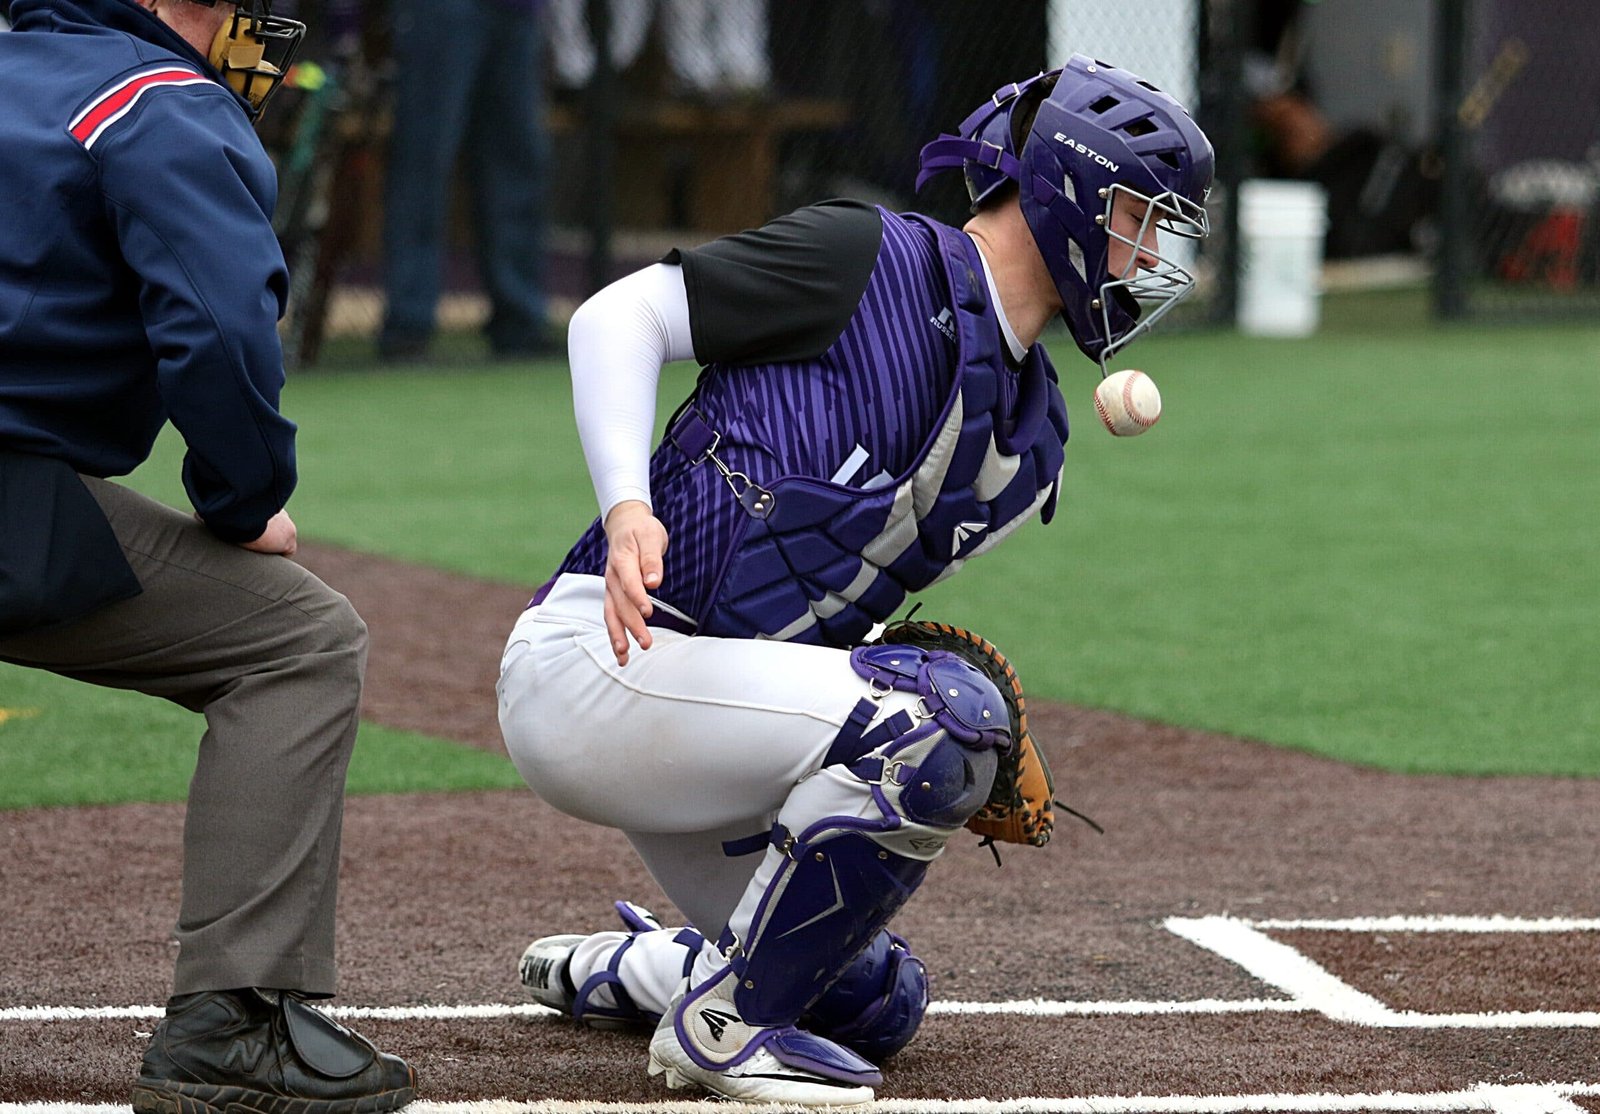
(244, 1054)
(717, 1022)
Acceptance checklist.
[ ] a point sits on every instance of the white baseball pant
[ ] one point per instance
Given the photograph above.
(696, 742)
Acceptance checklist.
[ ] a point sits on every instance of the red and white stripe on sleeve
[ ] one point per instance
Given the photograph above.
(117, 101)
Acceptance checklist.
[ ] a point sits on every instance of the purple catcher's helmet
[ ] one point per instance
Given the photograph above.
(1099, 132)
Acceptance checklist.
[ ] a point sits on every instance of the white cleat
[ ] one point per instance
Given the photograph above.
(761, 1078)
(737, 1060)
(543, 969)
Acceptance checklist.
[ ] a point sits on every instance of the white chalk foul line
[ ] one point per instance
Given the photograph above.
(1029, 1007)
(1495, 923)
(1309, 987)
(1522, 1098)
(1309, 984)
(348, 1013)
(1279, 965)
(1040, 1007)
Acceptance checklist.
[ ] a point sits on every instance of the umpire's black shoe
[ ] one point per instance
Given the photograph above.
(248, 1051)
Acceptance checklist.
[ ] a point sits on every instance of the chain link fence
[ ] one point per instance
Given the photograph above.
(1459, 138)
(1456, 141)
(705, 117)
(1521, 141)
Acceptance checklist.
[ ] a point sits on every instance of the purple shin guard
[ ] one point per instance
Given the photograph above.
(854, 840)
(831, 901)
(877, 1005)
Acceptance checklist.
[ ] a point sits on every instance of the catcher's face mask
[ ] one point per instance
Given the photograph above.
(253, 49)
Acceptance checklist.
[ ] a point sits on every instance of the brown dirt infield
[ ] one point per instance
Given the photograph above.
(441, 891)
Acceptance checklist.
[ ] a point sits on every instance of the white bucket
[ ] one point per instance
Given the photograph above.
(1281, 225)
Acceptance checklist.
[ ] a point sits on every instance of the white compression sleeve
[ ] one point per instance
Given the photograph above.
(617, 342)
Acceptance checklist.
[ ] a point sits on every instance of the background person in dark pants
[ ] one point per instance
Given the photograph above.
(469, 80)
(140, 282)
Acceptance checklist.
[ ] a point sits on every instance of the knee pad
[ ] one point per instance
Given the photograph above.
(854, 839)
(936, 759)
(876, 1006)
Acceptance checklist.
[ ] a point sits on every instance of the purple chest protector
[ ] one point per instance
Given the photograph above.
(819, 562)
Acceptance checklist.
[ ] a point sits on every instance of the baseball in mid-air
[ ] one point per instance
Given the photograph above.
(1127, 402)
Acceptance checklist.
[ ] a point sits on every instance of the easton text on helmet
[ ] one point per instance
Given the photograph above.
(1093, 154)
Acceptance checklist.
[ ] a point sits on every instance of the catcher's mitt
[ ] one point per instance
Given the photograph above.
(1021, 806)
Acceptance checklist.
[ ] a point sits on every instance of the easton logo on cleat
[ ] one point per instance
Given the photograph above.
(717, 1022)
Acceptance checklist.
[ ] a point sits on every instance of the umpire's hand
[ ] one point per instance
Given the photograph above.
(635, 541)
(280, 537)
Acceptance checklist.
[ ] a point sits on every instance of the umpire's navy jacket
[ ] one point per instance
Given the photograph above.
(140, 282)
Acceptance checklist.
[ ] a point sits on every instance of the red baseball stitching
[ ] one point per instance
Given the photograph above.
(1127, 401)
(1105, 419)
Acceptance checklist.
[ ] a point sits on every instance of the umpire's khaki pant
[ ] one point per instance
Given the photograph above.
(274, 659)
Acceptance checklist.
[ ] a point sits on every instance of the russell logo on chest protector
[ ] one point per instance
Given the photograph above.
(945, 323)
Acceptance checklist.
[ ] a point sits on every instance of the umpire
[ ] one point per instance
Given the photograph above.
(140, 282)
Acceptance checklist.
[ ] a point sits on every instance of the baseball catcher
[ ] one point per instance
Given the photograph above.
(873, 412)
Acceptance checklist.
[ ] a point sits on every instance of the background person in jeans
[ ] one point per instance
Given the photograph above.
(469, 80)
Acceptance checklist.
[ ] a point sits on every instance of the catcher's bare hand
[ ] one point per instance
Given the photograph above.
(635, 541)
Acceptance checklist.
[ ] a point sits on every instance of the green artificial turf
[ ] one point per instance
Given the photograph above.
(1373, 547)
(1374, 544)
(67, 743)
(474, 469)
